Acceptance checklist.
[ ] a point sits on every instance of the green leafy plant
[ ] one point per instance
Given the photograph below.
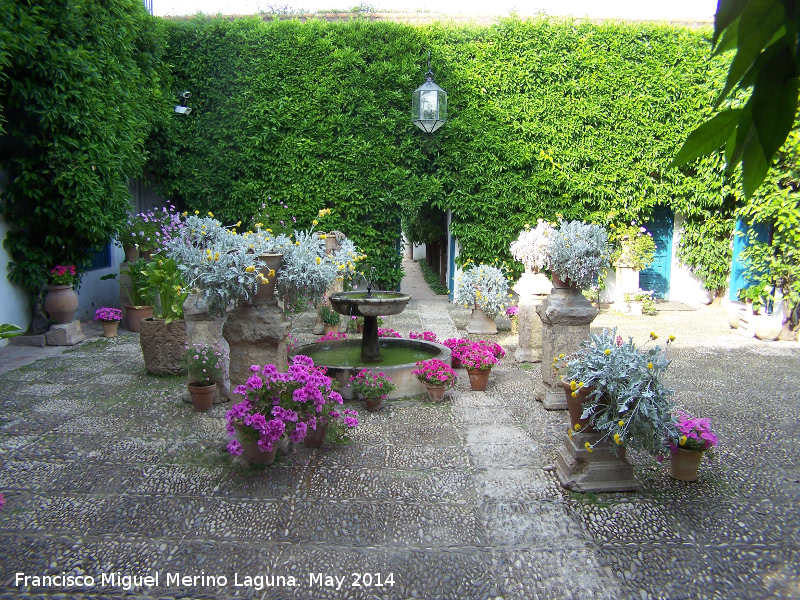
(166, 283)
(579, 253)
(8, 330)
(628, 401)
(633, 246)
(136, 285)
(328, 315)
(484, 286)
(206, 363)
(645, 298)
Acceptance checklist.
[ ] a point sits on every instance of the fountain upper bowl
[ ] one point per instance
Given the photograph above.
(380, 304)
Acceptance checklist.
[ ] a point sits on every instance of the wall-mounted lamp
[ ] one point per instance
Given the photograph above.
(182, 109)
(429, 104)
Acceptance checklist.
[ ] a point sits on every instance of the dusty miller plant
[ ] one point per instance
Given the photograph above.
(484, 286)
(532, 246)
(579, 253)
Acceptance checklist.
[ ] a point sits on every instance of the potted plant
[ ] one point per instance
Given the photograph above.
(579, 253)
(206, 364)
(633, 246)
(109, 318)
(282, 405)
(640, 303)
(532, 246)
(478, 360)
(617, 388)
(163, 335)
(689, 438)
(437, 376)
(330, 318)
(61, 302)
(485, 289)
(512, 312)
(371, 388)
(146, 232)
(457, 347)
(133, 281)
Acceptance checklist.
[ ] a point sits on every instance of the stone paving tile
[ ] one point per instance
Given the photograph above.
(139, 515)
(427, 457)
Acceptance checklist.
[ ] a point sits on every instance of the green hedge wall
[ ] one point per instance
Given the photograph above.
(546, 117)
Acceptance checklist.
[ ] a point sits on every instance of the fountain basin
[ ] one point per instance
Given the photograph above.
(380, 304)
(399, 357)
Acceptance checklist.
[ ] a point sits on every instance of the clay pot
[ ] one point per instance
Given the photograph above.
(373, 405)
(560, 283)
(481, 324)
(266, 291)
(575, 406)
(136, 314)
(436, 392)
(315, 437)
(130, 253)
(61, 303)
(253, 454)
(478, 379)
(331, 328)
(202, 396)
(683, 464)
(110, 328)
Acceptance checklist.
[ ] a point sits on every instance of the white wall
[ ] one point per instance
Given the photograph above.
(94, 294)
(14, 305)
(684, 286)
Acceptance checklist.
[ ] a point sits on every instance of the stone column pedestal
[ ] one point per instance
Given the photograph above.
(65, 334)
(481, 324)
(532, 289)
(627, 283)
(256, 334)
(202, 328)
(599, 471)
(566, 315)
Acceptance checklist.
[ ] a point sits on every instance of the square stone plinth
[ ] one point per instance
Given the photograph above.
(598, 471)
(65, 334)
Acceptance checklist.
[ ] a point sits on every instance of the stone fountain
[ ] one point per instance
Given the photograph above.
(394, 357)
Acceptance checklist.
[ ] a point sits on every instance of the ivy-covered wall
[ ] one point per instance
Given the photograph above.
(546, 117)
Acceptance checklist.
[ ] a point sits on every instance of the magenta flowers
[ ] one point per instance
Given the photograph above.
(370, 386)
(428, 336)
(108, 315)
(692, 433)
(435, 372)
(62, 275)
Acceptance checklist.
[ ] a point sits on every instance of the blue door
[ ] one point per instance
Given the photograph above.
(743, 237)
(656, 276)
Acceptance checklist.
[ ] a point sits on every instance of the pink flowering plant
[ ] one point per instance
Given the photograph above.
(493, 347)
(435, 372)
(370, 386)
(479, 357)
(427, 336)
(278, 405)
(457, 348)
(512, 311)
(62, 275)
(206, 363)
(332, 337)
(387, 333)
(691, 433)
(108, 315)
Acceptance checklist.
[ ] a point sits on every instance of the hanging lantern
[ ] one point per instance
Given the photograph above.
(429, 104)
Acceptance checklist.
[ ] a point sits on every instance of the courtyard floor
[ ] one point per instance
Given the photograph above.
(107, 473)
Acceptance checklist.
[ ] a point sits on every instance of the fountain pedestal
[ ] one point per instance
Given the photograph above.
(532, 289)
(369, 305)
(257, 335)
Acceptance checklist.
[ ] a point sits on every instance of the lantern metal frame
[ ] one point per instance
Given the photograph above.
(429, 103)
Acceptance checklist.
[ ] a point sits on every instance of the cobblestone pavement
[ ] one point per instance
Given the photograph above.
(105, 471)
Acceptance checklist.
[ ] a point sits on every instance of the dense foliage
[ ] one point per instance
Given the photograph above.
(546, 117)
(79, 89)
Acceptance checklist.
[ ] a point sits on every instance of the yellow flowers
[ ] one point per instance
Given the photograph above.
(197, 212)
(577, 426)
(239, 224)
(653, 335)
(682, 440)
(210, 214)
(216, 255)
(324, 211)
(588, 447)
(621, 423)
(261, 279)
(315, 222)
(671, 338)
(249, 269)
(319, 260)
(185, 214)
(617, 439)
(569, 433)
(259, 225)
(607, 351)
(649, 365)
(272, 272)
(574, 394)
(573, 386)
(322, 236)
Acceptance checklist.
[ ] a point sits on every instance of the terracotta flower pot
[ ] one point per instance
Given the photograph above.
(266, 291)
(683, 464)
(560, 283)
(478, 379)
(61, 303)
(373, 405)
(315, 437)
(202, 396)
(575, 405)
(253, 455)
(130, 253)
(480, 323)
(331, 328)
(436, 392)
(110, 328)
(136, 314)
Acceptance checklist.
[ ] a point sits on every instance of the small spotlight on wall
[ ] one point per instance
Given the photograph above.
(181, 108)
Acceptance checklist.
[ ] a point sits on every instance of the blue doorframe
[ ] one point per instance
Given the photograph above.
(451, 262)
(744, 236)
(656, 276)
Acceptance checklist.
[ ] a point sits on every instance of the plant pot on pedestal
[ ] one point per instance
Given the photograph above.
(266, 291)
(202, 396)
(61, 303)
(163, 346)
(480, 323)
(575, 405)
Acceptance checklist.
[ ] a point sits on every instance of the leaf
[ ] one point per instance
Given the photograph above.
(774, 101)
(759, 22)
(708, 137)
(728, 12)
